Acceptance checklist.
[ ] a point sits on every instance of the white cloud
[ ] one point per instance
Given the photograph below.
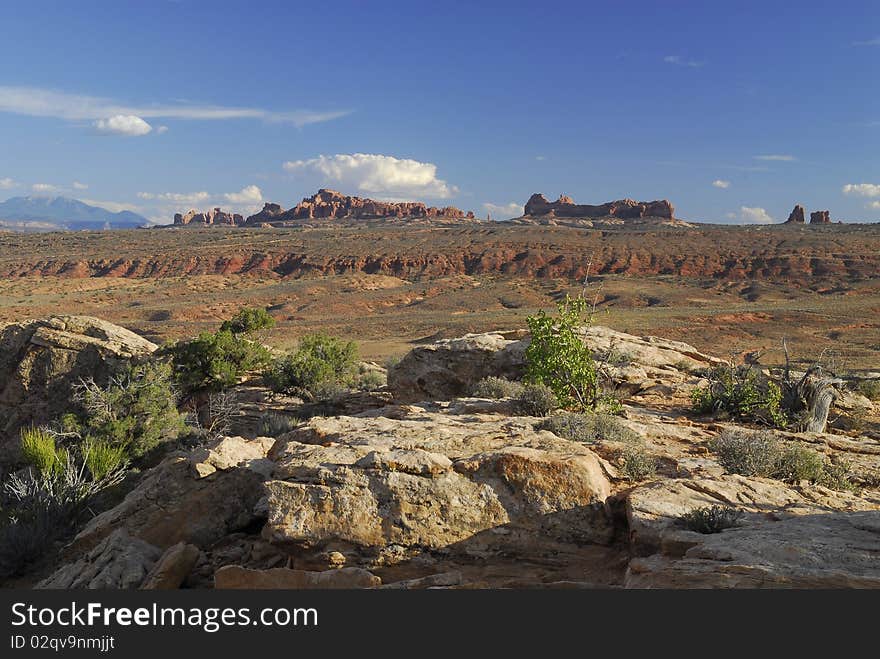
(540, 158)
(678, 60)
(248, 195)
(755, 215)
(373, 174)
(776, 157)
(161, 129)
(870, 42)
(862, 189)
(44, 187)
(176, 197)
(80, 186)
(37, 102)
(7, 184)
(160, 207)
(874, 205)
(719, 183)
(504, 211)
(128, 125)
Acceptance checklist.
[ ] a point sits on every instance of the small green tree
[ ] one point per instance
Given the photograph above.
(248, 320)
(136, 411)
(212, 362)
(320, 363)
(558, 357)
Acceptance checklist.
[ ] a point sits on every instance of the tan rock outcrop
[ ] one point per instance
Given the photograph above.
(432, 480)
(117, 562)
(449, 368)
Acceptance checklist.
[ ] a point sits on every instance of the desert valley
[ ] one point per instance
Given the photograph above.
(431, 462)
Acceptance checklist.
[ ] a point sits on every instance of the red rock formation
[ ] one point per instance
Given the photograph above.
(625, 209)
(820, 217)
(212, 217)
(797, 215)
(269, 213)
(330, 204)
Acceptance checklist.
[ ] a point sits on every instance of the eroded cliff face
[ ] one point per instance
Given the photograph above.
(626, 209)
(332, 204)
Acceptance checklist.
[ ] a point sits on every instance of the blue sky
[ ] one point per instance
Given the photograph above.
(733, 111)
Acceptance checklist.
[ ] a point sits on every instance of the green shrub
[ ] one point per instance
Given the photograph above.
(536, 400)
(39, 450)
(747, 454)
(320, 366)
(870, 389)
(838, 475)
(135, 411)
(213, 362)
(103, 458)
(711, 519)
(798, 463)
(610, 428)
(275, 425)
(571, 425)
(371, 380)
(588, 428)
(742, 392)
(494, 387)
(558, 357)
(247, 321)
(40, 508)
(761, 454)
(638, 463)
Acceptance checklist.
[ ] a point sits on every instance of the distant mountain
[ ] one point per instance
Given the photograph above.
(59, 213)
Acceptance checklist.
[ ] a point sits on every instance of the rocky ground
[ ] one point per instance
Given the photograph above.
(418, 485)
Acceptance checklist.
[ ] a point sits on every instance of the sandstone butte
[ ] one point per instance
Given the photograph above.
(326, 205)
(625, 209)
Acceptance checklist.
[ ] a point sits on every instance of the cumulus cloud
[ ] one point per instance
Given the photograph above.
(7, 184)
(176, 197)
(874, 205)
(80, 186)
(862, 189)
(678, 60)
(776, 157)
(248, 195)
(504, 211)
(44, 188)
(128, 125)
(38, 102)
(161, 129)
(373, 174)
(719, 183)
(755, 215)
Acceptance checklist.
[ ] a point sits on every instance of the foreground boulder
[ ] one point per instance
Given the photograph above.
(789, 537)
(451, 367)
(433, 482)
(40, 360)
